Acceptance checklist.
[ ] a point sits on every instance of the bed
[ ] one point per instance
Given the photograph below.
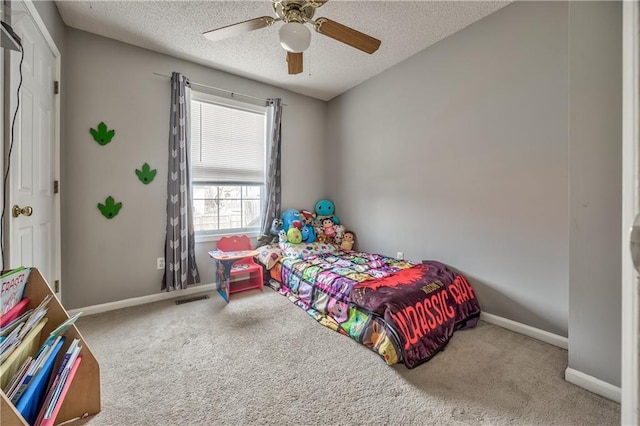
(405, 312)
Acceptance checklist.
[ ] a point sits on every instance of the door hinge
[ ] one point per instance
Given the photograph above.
(56, 286)
(56, 87)
(56, 186)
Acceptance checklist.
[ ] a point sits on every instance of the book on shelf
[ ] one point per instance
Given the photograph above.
(41, 359)
(52, 409)
(10, 342)
(32, 320)
(12, 284)
(27, 347)
(62, 328)
(8, 328)
(15, 312)
(12, 386)
(29, 402)
(22, 327)
(60, 381)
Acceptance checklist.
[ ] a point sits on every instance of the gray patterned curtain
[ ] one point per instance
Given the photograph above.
(179, 246)
(272, 204)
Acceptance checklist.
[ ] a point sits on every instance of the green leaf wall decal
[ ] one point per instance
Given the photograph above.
(146, 175)
(103, 136)
(110, 208)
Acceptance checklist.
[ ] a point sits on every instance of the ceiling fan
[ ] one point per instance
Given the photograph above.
(295, 37)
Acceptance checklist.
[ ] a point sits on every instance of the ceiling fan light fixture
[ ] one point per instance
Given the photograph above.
(295, 37)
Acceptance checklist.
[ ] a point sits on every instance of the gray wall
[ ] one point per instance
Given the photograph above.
(48, 11)
(467, 153)
(595, 191)
(107, 260)
(460, 154)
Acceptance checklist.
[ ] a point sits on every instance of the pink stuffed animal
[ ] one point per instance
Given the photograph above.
(328, 228)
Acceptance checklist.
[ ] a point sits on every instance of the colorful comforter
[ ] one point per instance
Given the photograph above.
(324, 286)
(425, 304)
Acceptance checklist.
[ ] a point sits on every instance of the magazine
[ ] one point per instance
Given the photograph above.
(12, 284)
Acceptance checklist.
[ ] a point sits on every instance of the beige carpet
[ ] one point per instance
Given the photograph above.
(262, 360)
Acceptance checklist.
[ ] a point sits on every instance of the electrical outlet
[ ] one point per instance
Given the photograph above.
(400, 255)
(161, 263)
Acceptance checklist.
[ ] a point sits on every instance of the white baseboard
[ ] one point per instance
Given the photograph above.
(592, 384)
(142, 300)
(536, 333)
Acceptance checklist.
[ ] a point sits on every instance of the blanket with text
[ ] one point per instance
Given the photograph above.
(425, 304)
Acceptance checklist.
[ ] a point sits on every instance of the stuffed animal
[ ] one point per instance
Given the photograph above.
(322, 238)
(339, 234)
(274, 233)
(282, 236)
(276, 226)
(307, 217)
(294, 235)
(328, 227)
(324, 209)
(291, 217)
(348, 239)
(308, 234)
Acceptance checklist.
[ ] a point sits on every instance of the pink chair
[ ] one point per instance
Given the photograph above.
(244, 266)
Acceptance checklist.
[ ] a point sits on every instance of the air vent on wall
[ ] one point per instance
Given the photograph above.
(191, 299)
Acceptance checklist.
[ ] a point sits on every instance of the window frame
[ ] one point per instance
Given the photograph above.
(262, 109)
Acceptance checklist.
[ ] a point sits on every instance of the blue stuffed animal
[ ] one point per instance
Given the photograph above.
(291, 217)
(276, 226)
(308, 234)
(324, 209)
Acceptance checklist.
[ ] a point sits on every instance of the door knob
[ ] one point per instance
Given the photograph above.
(634, 243)
(17, 211)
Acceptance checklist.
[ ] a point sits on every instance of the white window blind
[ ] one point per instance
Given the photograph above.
(227, 144)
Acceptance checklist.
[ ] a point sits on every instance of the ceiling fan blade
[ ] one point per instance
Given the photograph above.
(294, 62)
(239, 28)
(347, 35)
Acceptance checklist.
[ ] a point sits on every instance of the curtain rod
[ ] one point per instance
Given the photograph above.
(231, 92)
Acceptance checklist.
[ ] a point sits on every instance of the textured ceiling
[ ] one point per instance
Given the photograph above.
(330, 68)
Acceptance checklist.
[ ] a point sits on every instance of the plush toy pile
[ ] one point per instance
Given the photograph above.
(322, 225)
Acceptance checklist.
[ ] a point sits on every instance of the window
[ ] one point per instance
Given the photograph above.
(227, 164)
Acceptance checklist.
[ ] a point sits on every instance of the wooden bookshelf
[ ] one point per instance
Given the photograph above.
(83, 397)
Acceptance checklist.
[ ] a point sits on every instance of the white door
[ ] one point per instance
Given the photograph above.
(31, 213)
(630, 403)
